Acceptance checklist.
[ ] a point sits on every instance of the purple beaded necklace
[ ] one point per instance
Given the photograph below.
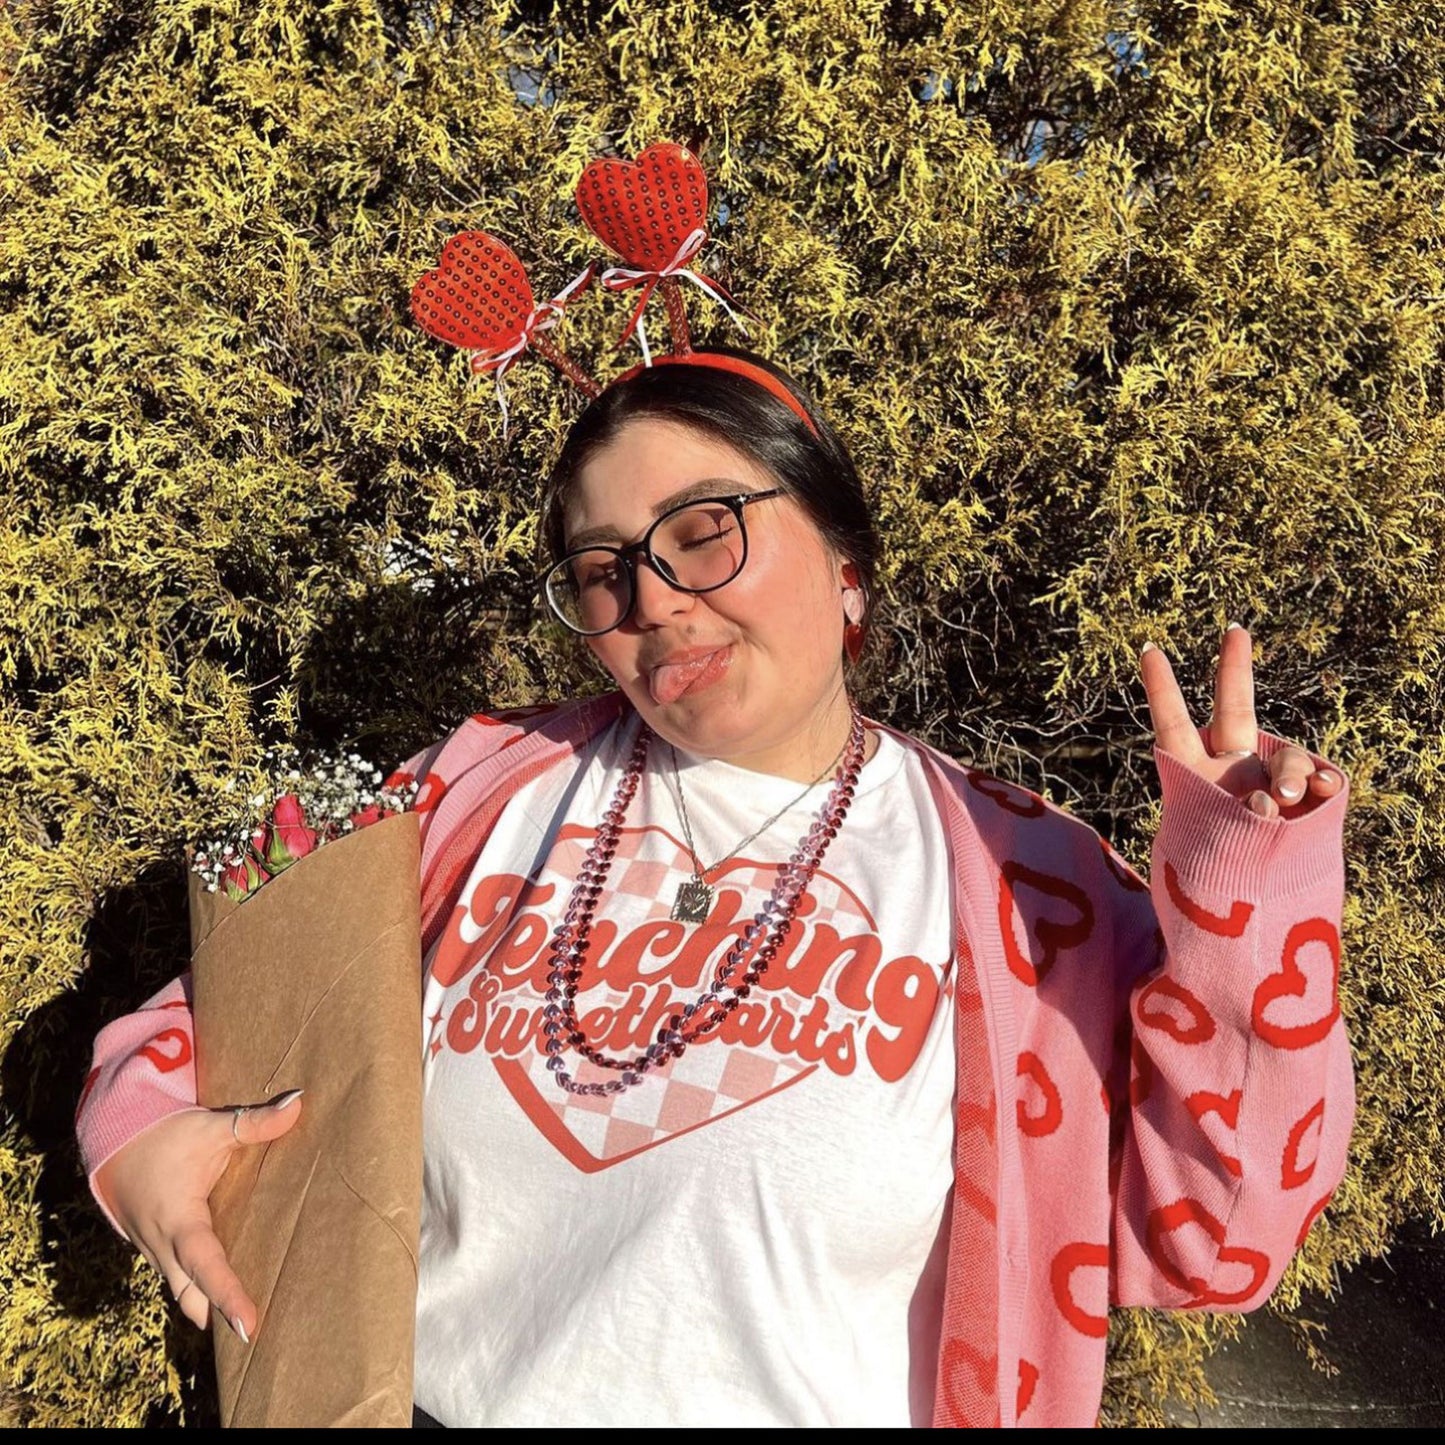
(561, 1028)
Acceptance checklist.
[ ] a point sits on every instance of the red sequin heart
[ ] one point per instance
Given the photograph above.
(644, 210)
(478, 297)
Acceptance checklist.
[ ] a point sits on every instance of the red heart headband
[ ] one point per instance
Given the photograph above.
(652, 214)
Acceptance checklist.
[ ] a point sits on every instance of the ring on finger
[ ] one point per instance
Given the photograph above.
(1238, 753)
(236, 1120)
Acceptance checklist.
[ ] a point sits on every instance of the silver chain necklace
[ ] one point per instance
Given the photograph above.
(695, 896)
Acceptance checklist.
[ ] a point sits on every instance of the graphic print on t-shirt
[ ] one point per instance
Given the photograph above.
(830, 999)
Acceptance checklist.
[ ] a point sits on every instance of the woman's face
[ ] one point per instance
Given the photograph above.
(751, 672)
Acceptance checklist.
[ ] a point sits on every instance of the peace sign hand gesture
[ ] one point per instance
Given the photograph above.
(1289, 785)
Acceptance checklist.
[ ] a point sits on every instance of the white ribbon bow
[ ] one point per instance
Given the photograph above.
(500, 360)
(621, 278)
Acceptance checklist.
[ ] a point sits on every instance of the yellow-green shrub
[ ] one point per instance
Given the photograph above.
(1131, 313)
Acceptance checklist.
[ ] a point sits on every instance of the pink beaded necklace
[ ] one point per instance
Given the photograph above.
(562, 1029)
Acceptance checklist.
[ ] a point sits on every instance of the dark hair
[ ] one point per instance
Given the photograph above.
(815, 470)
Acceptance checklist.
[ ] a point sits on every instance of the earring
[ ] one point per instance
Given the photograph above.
(853, 609)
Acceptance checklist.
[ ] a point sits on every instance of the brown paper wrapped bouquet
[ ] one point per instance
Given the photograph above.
(306, 940)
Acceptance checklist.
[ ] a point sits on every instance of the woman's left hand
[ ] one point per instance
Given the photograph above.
(1289, 785)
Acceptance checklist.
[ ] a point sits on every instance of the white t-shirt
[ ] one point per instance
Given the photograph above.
(752, 1235)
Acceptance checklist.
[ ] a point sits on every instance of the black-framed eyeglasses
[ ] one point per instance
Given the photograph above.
(697, 546)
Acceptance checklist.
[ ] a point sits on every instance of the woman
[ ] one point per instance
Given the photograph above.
(780, 1070)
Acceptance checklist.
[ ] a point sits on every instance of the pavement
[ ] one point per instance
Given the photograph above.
(1384, 1338)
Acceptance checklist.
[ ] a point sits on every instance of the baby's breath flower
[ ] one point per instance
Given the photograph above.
(329, 789)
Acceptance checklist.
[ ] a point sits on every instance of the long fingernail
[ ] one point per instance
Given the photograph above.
(240, 1329)
(288, 1098)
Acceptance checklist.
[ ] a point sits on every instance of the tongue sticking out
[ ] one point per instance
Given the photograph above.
(672, 679)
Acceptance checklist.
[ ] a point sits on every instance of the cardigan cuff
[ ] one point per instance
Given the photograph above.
(1219, 845)
(120, 1126)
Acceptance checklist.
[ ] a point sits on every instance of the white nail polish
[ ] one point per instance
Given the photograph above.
(1148, 647)
(240, 1329)
(1233, 625)
(288, 1098)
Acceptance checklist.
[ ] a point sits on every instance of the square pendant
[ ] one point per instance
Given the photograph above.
(693, 903)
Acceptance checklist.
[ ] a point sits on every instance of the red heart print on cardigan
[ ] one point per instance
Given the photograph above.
(1070, 1259)
(1316, 1209)
(86, 1090)
(970, 1385)
(1141, 1080)
(1115, 1084)
(432, 790)
(1048, 1117)
(1226, 925)
(977, 1116)
(1018, 801)
(965, 1191)
(478, 297)
(511, 716)
(1028, 1379)
(1122, 872)
(168, 1063)
(644, 210)
(1227, 1107)
(1292, 982)
(1169, 1225)
(1053, 935)
(1291, 1173)
(1196, 1028)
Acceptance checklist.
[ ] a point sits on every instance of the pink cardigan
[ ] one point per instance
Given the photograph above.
(1154, 1092)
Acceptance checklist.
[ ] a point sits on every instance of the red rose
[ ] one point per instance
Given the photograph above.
(287, 837)
(243, 877)
(369, 814)
(290, 823)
